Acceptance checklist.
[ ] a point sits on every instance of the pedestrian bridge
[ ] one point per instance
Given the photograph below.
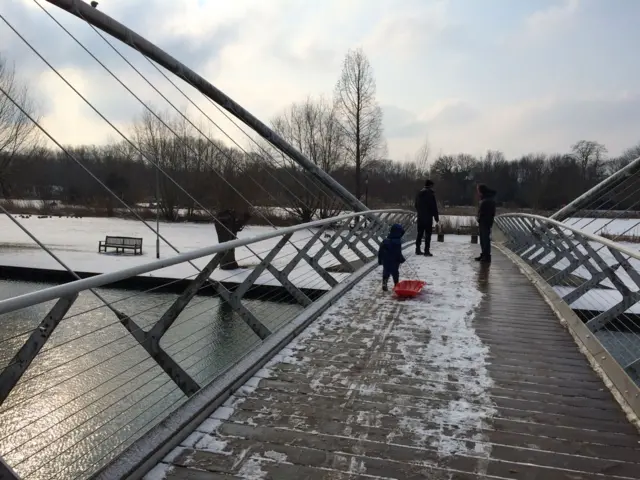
(477, 379)
(489, 373)
(295, 365)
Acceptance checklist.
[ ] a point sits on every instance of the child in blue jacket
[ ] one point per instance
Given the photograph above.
(390, 255)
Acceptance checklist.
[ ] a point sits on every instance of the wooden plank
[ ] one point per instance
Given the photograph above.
(353, 403)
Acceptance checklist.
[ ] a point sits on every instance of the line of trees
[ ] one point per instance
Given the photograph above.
(536, 181)
(18, 134)
(343, 135)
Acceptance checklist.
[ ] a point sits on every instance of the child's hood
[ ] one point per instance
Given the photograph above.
(396, 231)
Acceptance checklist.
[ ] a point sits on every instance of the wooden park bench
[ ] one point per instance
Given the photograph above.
(121, 244)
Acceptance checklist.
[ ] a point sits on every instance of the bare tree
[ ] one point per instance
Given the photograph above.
(18, 134)
(313, 128)
(631, 153)
(422, 157)
(360, 114)
(628, 156)
(228, 224)
(494, 157)
(205, 169)
(160, 145)
(591, 156)
(531, 173)
(233, 210)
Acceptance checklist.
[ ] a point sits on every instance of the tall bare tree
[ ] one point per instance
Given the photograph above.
(591, 156)
(158, 144)
(18, 134)
(422, 157)
(313, 128)
(616, 163)
(205, 168)
(360, 114)
(631, 153)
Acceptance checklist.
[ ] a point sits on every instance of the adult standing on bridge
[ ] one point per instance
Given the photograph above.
(427, 208)
(486, 214)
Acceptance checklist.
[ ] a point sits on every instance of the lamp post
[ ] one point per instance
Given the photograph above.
(366, 190)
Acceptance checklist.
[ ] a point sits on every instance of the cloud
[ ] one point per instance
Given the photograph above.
(413, 28)
(455, 114)
(68, 119)
(554, 16)
(548, 125)
(543, 27)
(518, 76)
(612, 120)
(401, 123)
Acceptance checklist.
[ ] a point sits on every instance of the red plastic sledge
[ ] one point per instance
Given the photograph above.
(409, 288)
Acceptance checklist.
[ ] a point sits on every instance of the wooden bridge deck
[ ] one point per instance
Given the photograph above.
(476, 379)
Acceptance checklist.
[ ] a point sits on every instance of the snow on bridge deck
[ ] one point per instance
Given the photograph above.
(474, 379)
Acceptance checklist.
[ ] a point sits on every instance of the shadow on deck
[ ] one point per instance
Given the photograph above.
(475, 379)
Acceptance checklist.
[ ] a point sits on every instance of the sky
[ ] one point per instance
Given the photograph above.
(518, 76)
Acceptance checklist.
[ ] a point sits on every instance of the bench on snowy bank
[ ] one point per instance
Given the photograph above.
(121, 244)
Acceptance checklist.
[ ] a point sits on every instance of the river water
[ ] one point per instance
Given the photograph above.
(93, 390)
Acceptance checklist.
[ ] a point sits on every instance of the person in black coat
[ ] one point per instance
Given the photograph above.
(390, 255)
(427, 209)
(486, 214)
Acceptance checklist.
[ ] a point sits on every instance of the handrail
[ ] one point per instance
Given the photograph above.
(72, 288)
(595, 238)
(593, 285)
(611, 182)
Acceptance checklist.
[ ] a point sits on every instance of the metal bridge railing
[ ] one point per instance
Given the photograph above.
(598, 278)
(83, 376)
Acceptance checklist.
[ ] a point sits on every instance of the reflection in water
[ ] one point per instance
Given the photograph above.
(225, 311)
(483, 276)
(92, 390)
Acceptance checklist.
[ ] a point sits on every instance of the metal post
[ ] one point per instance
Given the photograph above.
(6, 472)
(607, 184)
(157, 214)
(366, 190)
(10, 376)
(110, 26)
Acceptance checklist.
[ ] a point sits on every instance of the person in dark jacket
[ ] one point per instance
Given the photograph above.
(427, 209)
(390, 255)
(486, 214)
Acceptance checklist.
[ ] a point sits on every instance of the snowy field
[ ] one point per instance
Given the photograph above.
(616, 226)
(75, 241)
